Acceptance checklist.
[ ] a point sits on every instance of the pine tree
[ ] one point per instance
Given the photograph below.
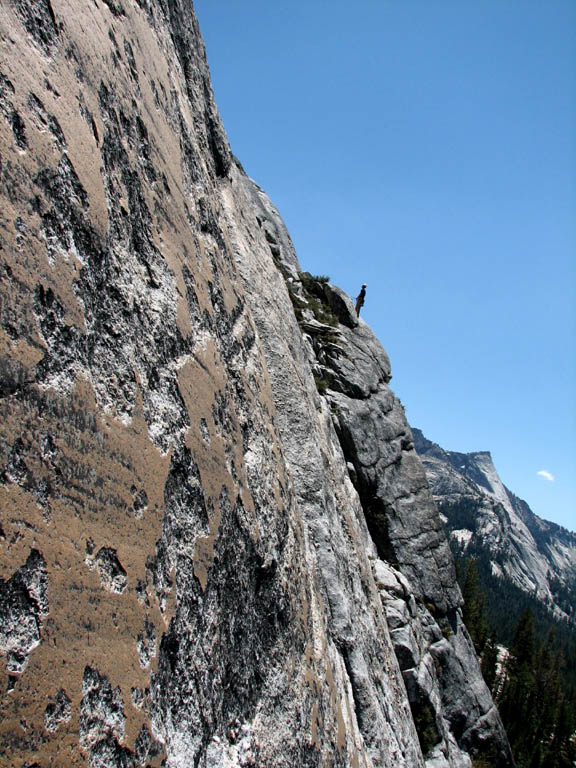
(518, 701)
(539, 723)
(548, 689)
(473, 611)
(489, 663)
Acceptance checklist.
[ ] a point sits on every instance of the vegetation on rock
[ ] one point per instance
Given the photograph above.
(313, 298)
(531, 684)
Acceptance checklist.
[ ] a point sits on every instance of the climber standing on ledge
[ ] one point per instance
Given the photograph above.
(360, 299)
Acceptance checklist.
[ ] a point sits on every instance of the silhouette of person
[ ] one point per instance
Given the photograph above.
(360, 299)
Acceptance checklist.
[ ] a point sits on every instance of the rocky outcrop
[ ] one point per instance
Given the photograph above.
(230, 554)
(414, 571)
(23, 605)
(486, 520)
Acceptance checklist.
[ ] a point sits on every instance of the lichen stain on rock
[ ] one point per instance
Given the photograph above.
(92, 464)
(40, 22)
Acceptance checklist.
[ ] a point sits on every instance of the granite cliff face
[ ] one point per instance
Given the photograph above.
(484, 518)
(217, 543)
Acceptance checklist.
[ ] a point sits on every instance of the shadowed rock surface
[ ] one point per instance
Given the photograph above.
(231, 555)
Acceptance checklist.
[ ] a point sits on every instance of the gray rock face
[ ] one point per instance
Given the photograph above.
(482, 515)
(23, 606)
(377, 441)
(454, 719)
(336, 540)
(452, 709)
(231, 555)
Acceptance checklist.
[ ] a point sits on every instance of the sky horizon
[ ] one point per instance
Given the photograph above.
(430, 152)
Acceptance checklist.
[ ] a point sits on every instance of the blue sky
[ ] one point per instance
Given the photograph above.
(428, 149)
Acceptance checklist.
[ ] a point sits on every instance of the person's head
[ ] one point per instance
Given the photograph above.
(363, 285)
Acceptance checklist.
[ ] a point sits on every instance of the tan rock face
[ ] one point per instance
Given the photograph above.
(187, 573)
(122, 331)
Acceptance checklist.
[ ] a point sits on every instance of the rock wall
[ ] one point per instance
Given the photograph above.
(217, 546)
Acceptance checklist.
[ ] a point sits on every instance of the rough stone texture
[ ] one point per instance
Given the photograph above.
(23, 605)
(58, 712)
(339, 550)
(112, 574)
(102, 721)
(202, 531)
(377, 440)
(452, 708)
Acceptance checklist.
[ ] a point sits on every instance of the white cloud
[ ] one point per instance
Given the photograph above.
(548, 475)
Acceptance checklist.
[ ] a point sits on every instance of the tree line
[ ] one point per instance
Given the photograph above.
(526, 668)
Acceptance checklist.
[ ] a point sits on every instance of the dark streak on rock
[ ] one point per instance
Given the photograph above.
(39, 21)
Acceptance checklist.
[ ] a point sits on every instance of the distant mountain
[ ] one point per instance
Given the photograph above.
(486, 520)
